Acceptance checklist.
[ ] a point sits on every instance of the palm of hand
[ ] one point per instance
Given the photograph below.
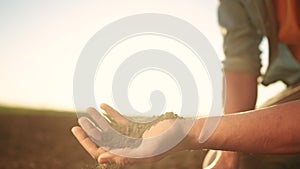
(92, 135)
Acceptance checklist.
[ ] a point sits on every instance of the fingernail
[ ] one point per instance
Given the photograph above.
(101, 161)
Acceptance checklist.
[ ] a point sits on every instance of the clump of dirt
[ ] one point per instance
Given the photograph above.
(132, 130)
(136, 130)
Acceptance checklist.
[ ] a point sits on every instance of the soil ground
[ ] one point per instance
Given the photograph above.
(44, 141)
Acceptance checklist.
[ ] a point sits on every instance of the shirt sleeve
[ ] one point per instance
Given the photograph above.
(241, 38)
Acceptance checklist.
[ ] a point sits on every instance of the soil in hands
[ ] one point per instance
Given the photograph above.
(38, 139)
(132, 130)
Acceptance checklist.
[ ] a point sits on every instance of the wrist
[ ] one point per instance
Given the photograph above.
(190, 130)
(194, 134)
(211, 138)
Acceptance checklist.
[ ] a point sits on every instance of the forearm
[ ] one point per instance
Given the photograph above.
(240, 95)
(271, 130)
(240, 92)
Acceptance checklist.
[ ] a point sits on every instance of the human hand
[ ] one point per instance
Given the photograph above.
(151, 147)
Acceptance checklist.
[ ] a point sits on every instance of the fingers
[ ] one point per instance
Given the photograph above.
(112, 158)
(98, 118)
(97, 153)
(86, 142)
(89, 127)
(109, 157)
(106, 158)
(114, 114)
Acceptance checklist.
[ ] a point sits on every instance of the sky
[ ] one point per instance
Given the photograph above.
(42, 40)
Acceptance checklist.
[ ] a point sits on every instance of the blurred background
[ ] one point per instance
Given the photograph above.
(39, 46)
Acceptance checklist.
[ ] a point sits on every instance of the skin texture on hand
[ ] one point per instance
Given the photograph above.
(103, 156)
(91, 135)
(257, 131)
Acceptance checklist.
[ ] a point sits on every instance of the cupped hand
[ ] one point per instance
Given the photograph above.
(153, 145)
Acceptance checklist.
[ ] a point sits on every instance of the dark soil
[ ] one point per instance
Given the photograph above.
(44, 141)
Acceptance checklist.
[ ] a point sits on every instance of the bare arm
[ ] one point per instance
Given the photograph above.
(270, 130)
(240, 92)
(240, 95)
